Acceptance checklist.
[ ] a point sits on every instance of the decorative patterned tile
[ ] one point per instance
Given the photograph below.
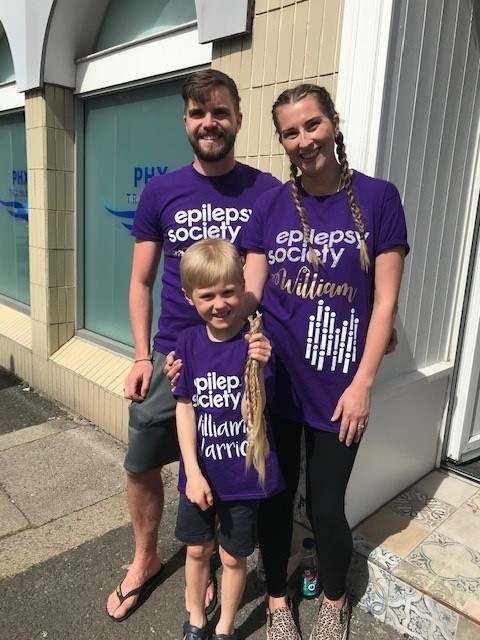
(472, 609)
(367, 585)
(412, 575)
(416, 564)
(439, 589)
(422, 508)
(438, 484)
(450, 561)
(361, 545)
(373, 552)
(467, 630)
(462, 526)
(473, 505)
(393, 532)
(411, 612)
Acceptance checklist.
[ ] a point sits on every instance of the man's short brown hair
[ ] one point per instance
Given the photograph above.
(199, 85)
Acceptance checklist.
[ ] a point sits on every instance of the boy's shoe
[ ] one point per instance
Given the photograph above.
(224, 636)
(281, 625)
(332, 622)
(190, 632)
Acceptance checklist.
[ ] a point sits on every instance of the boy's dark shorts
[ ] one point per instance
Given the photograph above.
(236, 531)
(152, 431)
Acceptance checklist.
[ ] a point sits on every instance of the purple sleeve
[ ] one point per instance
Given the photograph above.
(146, 220)
(393, 228)
(182, 388)
(252, 239)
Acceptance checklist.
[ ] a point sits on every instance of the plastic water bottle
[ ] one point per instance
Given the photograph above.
(309, 570)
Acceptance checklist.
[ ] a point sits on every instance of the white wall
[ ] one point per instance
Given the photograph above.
(399, 446)
(409, 104)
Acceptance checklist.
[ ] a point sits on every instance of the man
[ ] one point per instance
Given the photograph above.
(213, 197)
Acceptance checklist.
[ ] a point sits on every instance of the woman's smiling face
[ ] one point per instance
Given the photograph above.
(307, 135)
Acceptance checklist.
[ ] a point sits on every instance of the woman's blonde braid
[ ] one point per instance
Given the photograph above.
(258, 446)
(346, 182)
(314, 259)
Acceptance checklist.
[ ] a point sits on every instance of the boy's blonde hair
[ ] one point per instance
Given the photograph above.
(208, 262)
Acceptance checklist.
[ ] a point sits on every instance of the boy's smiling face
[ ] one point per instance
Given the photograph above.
(218, 305)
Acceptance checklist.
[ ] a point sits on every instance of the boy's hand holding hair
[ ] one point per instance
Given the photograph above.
(259, 347)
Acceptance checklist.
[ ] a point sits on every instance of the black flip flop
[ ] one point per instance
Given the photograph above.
(143, 592)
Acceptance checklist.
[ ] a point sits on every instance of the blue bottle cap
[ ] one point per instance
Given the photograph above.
(308, 543)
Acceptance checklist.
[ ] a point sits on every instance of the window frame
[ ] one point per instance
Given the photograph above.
(105, 73)
(157, 56)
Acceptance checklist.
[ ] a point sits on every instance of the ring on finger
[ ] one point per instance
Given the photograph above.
(361, 427)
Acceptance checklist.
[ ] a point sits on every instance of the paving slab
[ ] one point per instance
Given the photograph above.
(64, 597)
(29, 434)
(11, 518)
(63, 472)
(22, 406)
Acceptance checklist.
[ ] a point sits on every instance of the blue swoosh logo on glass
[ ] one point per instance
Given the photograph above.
(120, 214)
(16, 209)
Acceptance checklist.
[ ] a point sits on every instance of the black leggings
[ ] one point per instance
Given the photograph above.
(329, 465)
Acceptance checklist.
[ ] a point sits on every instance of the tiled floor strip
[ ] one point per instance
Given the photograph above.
(417, 560)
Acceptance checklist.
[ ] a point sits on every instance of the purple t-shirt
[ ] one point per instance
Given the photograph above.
(319, 320)
(212, 378)
(184, 206)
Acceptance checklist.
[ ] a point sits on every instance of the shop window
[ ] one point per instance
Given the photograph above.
(129, 138)
(14, 263)
(126, 20)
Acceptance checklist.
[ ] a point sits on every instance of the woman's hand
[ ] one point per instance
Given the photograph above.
(259, 347)
(353, 408)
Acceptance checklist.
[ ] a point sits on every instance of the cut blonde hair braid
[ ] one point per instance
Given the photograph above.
(258, 446)
(314, 259)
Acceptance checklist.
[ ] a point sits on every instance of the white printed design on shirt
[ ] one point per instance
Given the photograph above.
(329, 345)
(208, 222)
(227, 439)
(291, 246)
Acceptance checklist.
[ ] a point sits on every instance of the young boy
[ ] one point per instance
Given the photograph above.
(212, 432)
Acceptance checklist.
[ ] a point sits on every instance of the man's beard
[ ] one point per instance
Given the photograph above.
(218, 151)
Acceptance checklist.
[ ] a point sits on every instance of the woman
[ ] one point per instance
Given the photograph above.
(325, 258)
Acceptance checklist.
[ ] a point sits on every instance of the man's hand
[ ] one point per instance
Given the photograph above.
(137, 383)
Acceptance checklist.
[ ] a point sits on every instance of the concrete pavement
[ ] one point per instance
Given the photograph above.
(65, 537)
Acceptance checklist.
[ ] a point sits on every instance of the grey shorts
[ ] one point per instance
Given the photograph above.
(152, 431)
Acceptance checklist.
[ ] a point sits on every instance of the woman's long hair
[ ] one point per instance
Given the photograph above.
(325, 103)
